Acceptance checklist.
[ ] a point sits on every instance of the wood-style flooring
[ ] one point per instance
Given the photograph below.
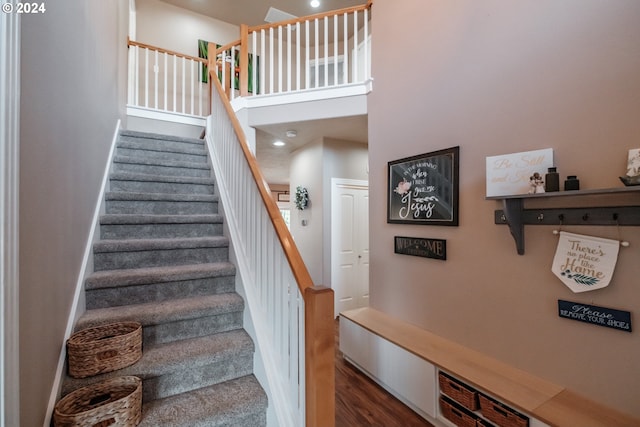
(360, 402)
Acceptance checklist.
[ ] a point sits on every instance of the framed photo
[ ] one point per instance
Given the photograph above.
(423, 189)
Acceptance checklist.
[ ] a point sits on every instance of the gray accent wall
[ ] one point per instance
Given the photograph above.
(497, 77)
(73, 90)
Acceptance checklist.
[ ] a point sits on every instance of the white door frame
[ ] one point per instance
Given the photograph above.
(9, 210)
(335, 183)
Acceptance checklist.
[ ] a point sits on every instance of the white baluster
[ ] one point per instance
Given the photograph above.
(175, 84)
(345, 49)
(335, 49)
(355, 45)
(155, 73)
(184, 86)
(307, 65)
(263, 62)
(166, 88)
(137, 82)
(289, 59)
(326, 51)
(316, 55)
(232, 74)
(280, 58)
(367, 60)
(298, 87)
(193, 88)
(271, 55)
(254, 69)
(146, 77)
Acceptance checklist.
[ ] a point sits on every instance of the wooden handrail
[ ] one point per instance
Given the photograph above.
(225, 47)
(169, 52)
(312, 17)
(294, 258)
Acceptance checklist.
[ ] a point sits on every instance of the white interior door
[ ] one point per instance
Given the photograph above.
(349, 243)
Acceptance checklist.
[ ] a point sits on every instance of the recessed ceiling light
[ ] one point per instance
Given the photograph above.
(279, 143)
(315, 3)
(291, 134)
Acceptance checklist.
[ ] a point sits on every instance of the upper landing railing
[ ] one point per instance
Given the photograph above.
(323, 51)
(164, 81)
(320, 51)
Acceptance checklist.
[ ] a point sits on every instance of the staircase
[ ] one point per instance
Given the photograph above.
(162, 261)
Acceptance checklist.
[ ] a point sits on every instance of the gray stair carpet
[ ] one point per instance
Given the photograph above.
(163, 261)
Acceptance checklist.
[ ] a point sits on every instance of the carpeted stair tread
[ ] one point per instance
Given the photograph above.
(163, 359)
(138, 245)
(140, 276)
(159, 219)
(143, 177)
(163, 197)
(238, 403)
(155, 313)
(160, 162)
(167, 147)
(162, 260)
(150, 135)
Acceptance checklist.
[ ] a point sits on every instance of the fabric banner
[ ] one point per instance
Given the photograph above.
(585, 263)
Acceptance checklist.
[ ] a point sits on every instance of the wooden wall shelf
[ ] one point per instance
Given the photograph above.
(516, 217)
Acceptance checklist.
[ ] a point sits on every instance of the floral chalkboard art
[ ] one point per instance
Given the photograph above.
(403, 187)
(423, 189)
(302, 198)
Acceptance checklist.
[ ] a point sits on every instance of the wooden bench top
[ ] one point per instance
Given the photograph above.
(541, 399)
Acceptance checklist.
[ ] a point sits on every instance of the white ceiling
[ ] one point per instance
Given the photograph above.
(274, 161)
(253, 12)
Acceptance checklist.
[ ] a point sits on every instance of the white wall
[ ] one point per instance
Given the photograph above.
(342, 159)
(498, 77)
(306, 170)
(313, 166)
(73, 91)
(173, 28)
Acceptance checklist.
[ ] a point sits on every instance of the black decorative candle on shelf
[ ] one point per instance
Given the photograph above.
(572, 183)
(552, 181)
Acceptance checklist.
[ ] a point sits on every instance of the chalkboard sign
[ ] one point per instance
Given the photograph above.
(601, 316)
(417, 246)
(424, 189)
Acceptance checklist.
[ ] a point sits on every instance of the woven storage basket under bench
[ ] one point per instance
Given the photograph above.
(104, 348)
(457, 414)
(457, 390)
(500, 414)
(115, 401)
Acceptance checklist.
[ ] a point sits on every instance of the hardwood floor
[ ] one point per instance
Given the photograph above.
(360, 402)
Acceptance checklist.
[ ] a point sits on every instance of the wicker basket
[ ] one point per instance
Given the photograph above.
(115, 401)
(104, 348)
(501, 415)
(458, 391)
(455, 413)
